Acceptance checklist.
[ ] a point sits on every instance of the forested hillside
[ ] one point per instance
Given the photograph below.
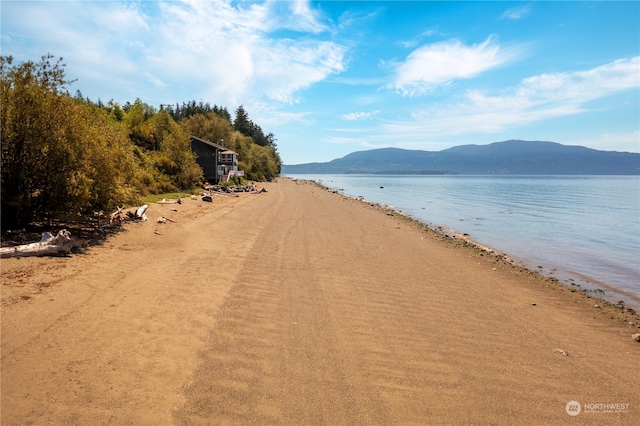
(514, 157)
(69, 154)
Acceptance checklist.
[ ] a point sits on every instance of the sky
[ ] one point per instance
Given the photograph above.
(328, 78)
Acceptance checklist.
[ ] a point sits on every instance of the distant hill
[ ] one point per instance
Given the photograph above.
(514, 157)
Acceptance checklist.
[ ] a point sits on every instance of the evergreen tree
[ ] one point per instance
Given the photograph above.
(242, 123)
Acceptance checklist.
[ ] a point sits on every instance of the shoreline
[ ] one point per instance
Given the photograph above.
(297, 306)
(571, 279)
(623, 308)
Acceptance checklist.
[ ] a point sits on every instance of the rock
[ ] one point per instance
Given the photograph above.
(636, 337)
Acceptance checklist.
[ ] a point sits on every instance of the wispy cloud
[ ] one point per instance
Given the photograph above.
(270, 114)
(217, 50)
(534, 99)
(303, 18)
(416, 40)
(236, 56)
(517, 13)
(438, 64)
(360, 115)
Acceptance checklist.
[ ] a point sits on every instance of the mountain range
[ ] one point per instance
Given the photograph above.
(516, 157)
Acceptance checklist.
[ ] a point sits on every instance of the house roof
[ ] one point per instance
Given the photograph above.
(214, 145)
(211, 144)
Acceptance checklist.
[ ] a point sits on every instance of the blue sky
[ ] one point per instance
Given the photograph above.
(329, 78)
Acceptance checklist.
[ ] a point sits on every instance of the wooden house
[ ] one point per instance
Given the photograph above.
(217, 162)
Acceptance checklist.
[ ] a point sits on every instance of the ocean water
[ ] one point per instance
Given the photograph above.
(583, 230)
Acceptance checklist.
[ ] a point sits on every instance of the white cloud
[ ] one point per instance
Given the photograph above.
(360, 115)
(534, 99)
(269, 114)
(100, 42)
(302, 17)
(407, 44)
(548, 95)
(230, 52)
(220, 51)
(517, 13)
(439, 64)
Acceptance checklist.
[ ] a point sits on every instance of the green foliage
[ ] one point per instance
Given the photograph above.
(58, 154)
(234, 181)
(189, 109)
(141, 129)
(210, 127)
(244, 125)
(260, 162)
(64, 154)
(148, 199)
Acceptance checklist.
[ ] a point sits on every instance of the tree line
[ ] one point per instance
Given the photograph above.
(64, 154)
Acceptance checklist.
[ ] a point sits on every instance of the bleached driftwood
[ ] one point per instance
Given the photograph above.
(116, 217)
(47, 246)
(165, 201)
(139, 214)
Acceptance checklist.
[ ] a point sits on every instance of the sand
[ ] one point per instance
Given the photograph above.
(300, 306)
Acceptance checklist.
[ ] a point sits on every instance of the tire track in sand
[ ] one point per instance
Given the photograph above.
(344, 315)
(276, 354)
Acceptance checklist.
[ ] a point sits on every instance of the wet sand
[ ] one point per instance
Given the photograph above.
(301, 306)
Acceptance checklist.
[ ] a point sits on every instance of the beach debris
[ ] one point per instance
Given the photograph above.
(529, 302)
(165, 201)
(139, 214)
(208, 198)
(163, 219)
(141, 210)
(561, 352)
(116, 217)
(98, 215)
(47, 246)
(231, 189)
(636, 337)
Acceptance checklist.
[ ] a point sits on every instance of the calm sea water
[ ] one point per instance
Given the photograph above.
(584, 230)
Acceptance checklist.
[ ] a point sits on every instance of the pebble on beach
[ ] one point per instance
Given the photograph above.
(636, 337)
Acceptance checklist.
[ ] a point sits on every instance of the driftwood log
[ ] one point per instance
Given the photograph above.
(139, 214)
(165, 201)
(47, 246)
(116, 217)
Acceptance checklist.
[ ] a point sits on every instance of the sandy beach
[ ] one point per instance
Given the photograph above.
(300, 306)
